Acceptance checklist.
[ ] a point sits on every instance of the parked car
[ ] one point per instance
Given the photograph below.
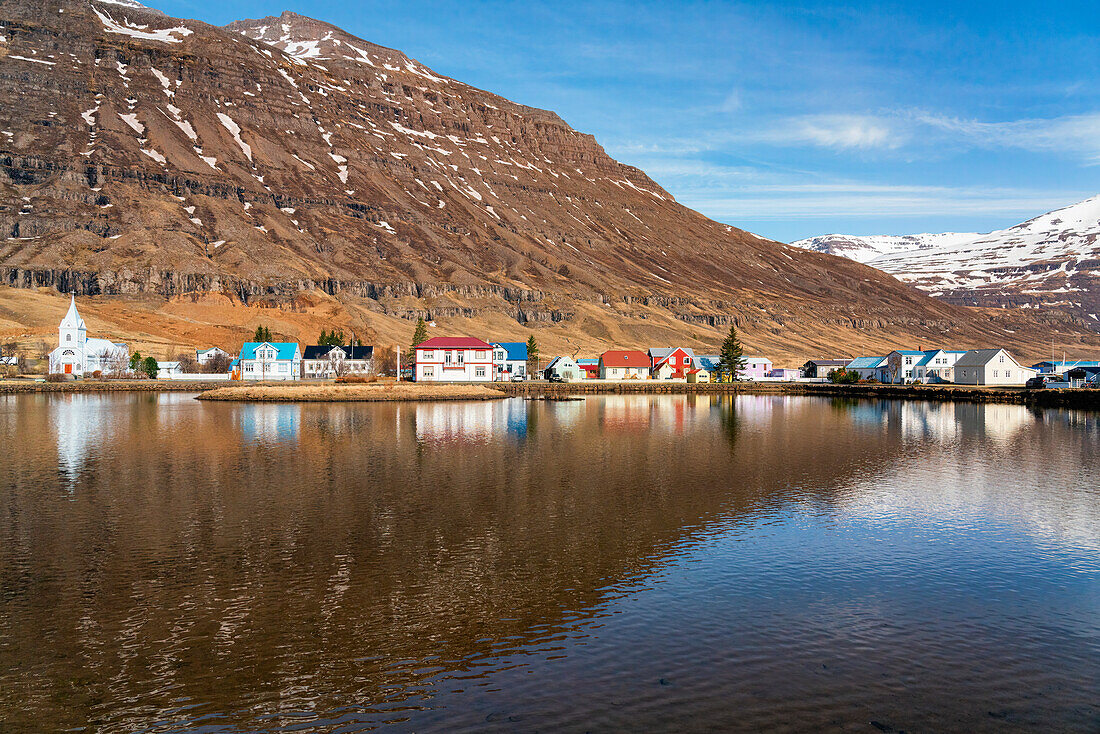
(1050, 382)
(518, 378)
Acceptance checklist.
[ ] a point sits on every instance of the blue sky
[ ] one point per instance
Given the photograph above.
(786, 118)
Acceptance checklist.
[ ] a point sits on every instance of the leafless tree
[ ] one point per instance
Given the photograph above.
(385, 361)
(188, 363)
(218, 364)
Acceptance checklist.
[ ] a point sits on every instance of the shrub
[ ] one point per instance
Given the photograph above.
(98, 374)
(356, 379)
(56, 377)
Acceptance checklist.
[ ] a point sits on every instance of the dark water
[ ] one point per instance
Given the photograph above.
(638, 563)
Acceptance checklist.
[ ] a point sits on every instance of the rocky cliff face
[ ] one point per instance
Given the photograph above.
(148, 155)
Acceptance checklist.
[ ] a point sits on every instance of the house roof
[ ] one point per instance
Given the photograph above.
(1068, 363)
(624, 358)
(660, 354)
(588, 361)
(831, 362)
(283, 350)
(757, 359)
(211, 349)
(708, 362)
(554, 362)
(320, 351)
(453, 342)
(865, 363)
(515, 351)
(979, 357)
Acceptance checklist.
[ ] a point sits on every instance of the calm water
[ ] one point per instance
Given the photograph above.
(634, 563)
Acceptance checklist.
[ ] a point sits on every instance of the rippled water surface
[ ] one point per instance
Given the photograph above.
(671, 563)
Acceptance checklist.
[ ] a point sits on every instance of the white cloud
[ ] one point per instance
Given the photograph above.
(838, 131)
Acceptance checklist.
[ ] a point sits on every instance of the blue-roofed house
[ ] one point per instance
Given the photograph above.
(868, 368)
(509, 360)
(268, 361)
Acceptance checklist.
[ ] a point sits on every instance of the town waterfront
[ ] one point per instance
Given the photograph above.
(614, 562)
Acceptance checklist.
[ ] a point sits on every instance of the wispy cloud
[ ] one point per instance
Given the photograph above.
(838, 131)
(1074, 134)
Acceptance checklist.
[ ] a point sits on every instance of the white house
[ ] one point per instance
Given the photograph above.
(923, 366)
(205, 356)
(509, 360)
(454, 358)
(563, 368)
(991, 367)
(168, 369)
(326, 361)
(76, 354)
(268, 361)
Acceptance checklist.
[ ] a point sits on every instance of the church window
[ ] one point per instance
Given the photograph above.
(68, 337)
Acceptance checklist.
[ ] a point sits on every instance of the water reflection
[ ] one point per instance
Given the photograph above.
(166, 563)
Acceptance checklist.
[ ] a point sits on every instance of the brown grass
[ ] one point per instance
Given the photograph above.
(329, 393)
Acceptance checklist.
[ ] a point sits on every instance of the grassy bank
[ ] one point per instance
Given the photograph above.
(330, 393)
(83, 386)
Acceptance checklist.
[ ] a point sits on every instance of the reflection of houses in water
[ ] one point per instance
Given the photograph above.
(269, 421)
(470, 421)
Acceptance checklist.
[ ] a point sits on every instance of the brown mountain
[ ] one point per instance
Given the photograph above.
(285, 163)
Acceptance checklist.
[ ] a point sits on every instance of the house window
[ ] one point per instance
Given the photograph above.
(908, 360)
(248, 367)
(68, 337)
(429, 354)
(479, 372)
(429, 372)
(282, 368)
(461, 356)
(1001, 359)
(447, 357)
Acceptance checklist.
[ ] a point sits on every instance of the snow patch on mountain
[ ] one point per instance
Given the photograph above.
(863, 248)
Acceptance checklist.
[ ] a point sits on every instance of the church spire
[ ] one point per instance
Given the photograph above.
(72, 319)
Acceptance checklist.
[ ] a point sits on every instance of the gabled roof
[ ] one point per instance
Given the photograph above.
(910, 352)
(757, 359)
(979, 357)
(1068, 363)
(865, 363)
(211, 349)
(625, 358)
(660, 354)
(321, 351)
(283, 350)
(588, 361)
(831, 362)
(554, 362)
(515, 351)
(454, 342)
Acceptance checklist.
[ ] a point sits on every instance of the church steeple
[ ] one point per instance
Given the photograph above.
(72, 330)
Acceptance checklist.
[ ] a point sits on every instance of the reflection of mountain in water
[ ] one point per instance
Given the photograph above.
(251, 558)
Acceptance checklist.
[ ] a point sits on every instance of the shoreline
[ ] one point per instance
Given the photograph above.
(1082, 398)
(354, 393)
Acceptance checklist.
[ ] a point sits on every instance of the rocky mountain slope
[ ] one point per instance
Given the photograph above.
(1051, 261)
(153, 157)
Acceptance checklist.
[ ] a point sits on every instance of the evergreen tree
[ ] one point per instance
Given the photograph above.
(149, 367)
(135, 361)
(263, 334)
(731, 357)
(420, 335)
(323, 339)
(532, 355)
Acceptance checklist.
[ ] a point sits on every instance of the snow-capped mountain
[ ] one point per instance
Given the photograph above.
(1051, 261)
(866, 248)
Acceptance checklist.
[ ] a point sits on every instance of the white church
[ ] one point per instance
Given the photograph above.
(76, 354)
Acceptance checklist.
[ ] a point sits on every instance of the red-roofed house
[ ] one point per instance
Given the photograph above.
(454, 359)
(671, 364)
(624, 364)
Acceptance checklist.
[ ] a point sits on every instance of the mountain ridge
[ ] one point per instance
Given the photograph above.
(1049, 261)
